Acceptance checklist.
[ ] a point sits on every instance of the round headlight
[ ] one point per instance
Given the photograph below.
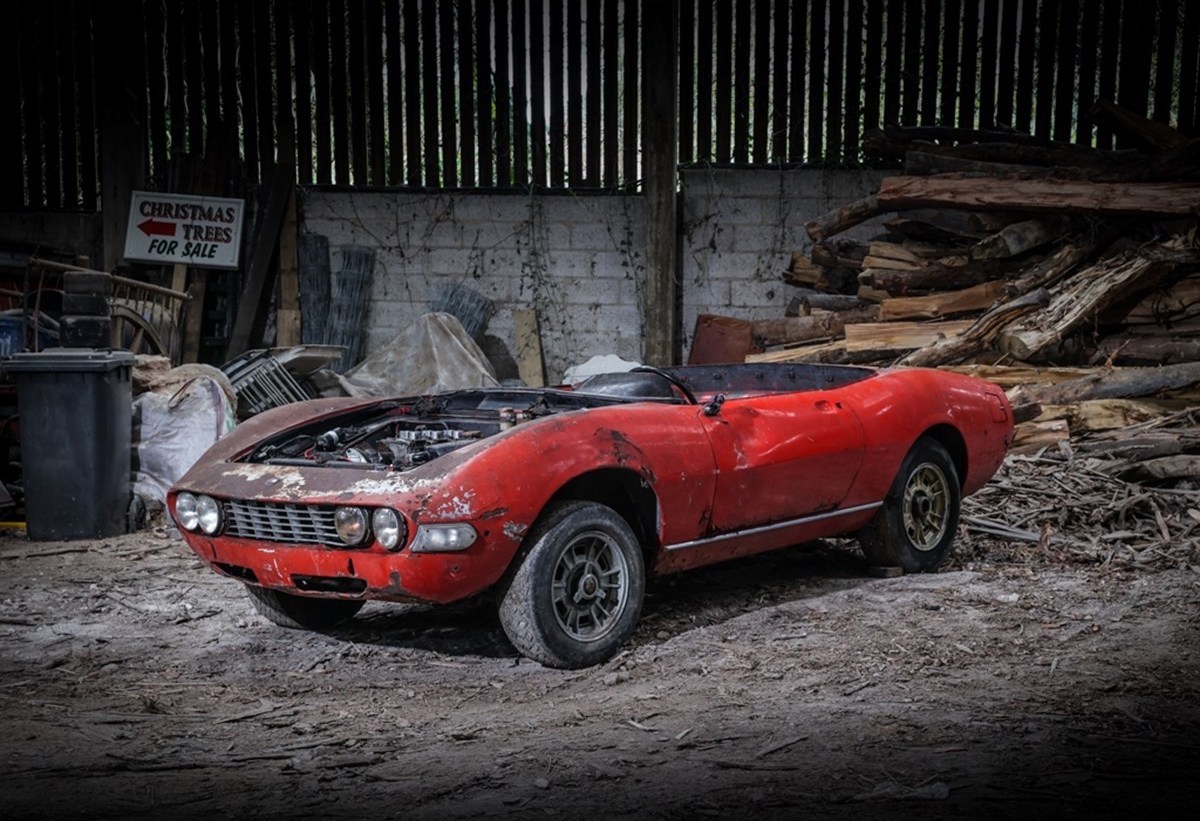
(387, 528)
(351, 524)
(208, 512)
(185, 511)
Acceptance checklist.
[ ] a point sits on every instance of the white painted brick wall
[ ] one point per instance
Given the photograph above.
(580, 260)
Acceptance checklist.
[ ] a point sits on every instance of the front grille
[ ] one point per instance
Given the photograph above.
(286, 523)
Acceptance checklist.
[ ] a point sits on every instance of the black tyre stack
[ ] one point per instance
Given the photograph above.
(86, 316)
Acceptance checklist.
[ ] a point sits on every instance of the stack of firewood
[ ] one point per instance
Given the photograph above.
(1068, 274)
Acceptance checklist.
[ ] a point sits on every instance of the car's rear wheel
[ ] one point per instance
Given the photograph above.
(577, 594)
(301, 612)
(916, 525)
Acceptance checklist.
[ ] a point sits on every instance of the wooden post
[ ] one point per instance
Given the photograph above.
(287, 323)
(659, 145)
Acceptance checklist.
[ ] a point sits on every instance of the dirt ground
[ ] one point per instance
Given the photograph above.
(136, 683)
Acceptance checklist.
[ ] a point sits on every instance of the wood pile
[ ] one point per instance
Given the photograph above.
(1067, 274)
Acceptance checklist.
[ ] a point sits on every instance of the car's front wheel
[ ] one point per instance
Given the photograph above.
(916, 525)
(577, 594)
(301, 612)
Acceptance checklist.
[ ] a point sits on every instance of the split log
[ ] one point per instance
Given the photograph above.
(1086, 293)
(1019, 237)
(927, 164)
(935, 306)
(1149, 445)
(804, 272)
(949, 227)
(1011, 376)
(1133, 349)
(1044, 156)
(835, 222)
(805, 328)
(1053, 268)
(831, 352)
(1121, 383)
(1163, 469)
(978, 335)
(888, 338)
(1137, 198)
(1100, 414)
(1033, 436)
(830, 302)
(839, 253)
(1179, 301)
(1178, 163)
(937, 276)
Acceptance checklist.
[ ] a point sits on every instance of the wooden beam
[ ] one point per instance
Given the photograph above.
(660, 136)
(287, 324)
(530, 366)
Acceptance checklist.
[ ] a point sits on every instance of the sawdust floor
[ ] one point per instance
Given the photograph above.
(135, 683)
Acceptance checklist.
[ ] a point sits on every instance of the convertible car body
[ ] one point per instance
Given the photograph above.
(562, 501)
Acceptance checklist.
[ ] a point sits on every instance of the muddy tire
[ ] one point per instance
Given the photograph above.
(916, 525)
(301, 612)
(577, 594)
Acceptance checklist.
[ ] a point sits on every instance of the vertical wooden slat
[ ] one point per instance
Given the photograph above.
(741, 81)
(854, 70)
(1133, 88)
(247, 82)
(156, 89)
(376, 113)
(872, 86)
(967, 66)
(520, 96)
(704, 81)
(574, 91)
(660, 117)
(950, 38)
(68, 92)
(1110, 45)
(12, 173)
(303, 72)
(762, 81)
(322, 72)
(466, 92)
(483, 44)
(70, 157)
(595, 89)
(612, 77)
(339, 85)
(631, 132)
(356, 69)
(266, 84)
(930, 53)
(1189, 65)
(194, 40)
(836, 48)
(1164, 75)
(1007, 71)
(1064, 94)
(448, 85)
(1026, 57)
(687, 78)
(210, 37)
(395, 94)
(724, 80)
(51, 100)
(429, 95)
(85, 68)
(176, 82)
(816, 83)
(31, 93)
(893, 62)
(987, 64)
(285, 105)
(1089, 50)
(503, 95)
(911, 72)
(779, 83)
(558, 135)
(230, 107)
(1047, 36)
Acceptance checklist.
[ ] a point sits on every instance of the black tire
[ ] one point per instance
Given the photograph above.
(916, 525)
(589, 554)
(301, 612)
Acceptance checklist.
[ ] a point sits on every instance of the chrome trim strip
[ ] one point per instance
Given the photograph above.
(777, 526)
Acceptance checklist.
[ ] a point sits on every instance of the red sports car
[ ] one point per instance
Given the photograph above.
(561, 501)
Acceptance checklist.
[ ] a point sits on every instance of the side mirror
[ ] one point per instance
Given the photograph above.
(714, 407)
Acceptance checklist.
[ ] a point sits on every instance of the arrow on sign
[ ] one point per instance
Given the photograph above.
(151, 227)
